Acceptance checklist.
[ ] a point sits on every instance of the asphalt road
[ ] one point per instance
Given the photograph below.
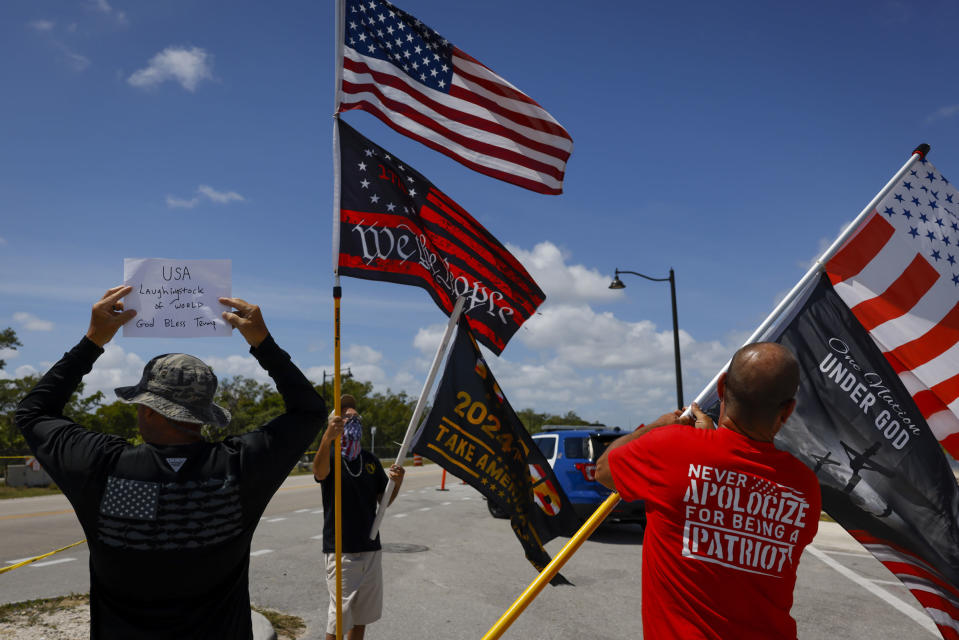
(451, 571)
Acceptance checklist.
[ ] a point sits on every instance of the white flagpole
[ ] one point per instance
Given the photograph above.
(918, 154)
(418, 411)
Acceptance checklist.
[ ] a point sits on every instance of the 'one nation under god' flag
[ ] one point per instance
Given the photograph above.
(396, 226)
(414, 80)
(883, 475)
(473, 432)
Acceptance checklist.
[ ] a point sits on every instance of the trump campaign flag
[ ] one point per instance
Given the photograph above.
(473, 432)
(396, 226)
(410, 77)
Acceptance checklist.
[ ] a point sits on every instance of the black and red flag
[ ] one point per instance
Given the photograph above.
(396, 226)
(883, 474)
(473, 432)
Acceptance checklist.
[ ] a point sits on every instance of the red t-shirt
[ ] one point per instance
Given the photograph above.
(727, 519)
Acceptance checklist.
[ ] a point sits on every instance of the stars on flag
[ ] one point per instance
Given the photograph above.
(933, 215)
(380, 30)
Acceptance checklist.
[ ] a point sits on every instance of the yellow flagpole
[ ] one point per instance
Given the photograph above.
(552, 568)
(337, 466)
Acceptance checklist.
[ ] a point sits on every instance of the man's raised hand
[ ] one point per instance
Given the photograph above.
(247, 319)
(108, 315)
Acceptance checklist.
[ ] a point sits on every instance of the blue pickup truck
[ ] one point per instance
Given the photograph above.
(572, 451)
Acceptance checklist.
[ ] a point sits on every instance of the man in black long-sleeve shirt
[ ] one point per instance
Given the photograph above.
(169, 522)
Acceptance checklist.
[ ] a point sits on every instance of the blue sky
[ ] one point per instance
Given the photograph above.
(729, 141)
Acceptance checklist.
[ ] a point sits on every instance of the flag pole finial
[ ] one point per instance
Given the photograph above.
(922, 150)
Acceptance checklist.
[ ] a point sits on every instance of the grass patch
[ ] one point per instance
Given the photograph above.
(29, 612)
(7, 492)
(286, 626)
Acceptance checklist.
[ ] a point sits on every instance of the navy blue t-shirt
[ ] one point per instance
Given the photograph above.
(363, 481)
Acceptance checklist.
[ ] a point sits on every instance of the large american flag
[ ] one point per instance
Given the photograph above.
(418, 83)
(899, 274)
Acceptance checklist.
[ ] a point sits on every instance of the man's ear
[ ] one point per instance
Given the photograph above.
(784, 414)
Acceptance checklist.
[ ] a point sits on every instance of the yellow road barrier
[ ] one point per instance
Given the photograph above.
(46, 555)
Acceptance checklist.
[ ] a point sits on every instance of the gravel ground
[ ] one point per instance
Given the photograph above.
(66, 623)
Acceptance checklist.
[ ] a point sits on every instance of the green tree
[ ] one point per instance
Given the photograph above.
(251, 404)
(117, 418)
(570, 418)
(532, 420)
(8, 340)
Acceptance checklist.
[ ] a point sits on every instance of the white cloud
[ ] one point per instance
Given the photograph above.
(75, 60)
(563, 283)
(115, 368)
(187, 66)
(211, 194)
(8, 353)
(943, 112)
(41, 25)
(31, 322)
(3, 241)
(104, 7)
(427, 339)
(221, 197)
(179, 203)
(24, 371)
(237, 365)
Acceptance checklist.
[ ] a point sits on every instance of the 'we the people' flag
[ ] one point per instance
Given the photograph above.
(396, 226)
(414, 80)
(473, 432)
(900, 276)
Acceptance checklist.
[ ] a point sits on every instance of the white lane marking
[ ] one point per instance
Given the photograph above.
(301, 511)
(18, 560)
(447, 504)
(858, 554)
(319, 537)
(318, 512)
(918, 616)
(261, 552)
(49, 562)
(423, 509)
(276, 519)
(399, 515)
(465, 498)
(894, 583)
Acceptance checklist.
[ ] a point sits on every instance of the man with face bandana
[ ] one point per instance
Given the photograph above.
(363, 484)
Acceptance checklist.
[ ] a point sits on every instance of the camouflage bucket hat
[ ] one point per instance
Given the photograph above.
(179, 387)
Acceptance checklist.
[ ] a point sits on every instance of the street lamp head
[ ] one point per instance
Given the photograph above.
(617, 283)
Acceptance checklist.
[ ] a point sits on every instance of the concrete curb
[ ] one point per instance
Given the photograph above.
(262, 629)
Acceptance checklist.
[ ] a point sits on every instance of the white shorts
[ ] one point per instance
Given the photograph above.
(362, 589)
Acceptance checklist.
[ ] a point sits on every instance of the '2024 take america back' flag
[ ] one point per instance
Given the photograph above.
(414, 80)
(900, 276)
(883, 475)
(396, 226)
(473, 433)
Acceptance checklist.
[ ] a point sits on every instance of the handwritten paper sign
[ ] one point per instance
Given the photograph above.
(176, 298)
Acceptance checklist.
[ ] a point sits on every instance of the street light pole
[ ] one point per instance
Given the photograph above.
(618, 284)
